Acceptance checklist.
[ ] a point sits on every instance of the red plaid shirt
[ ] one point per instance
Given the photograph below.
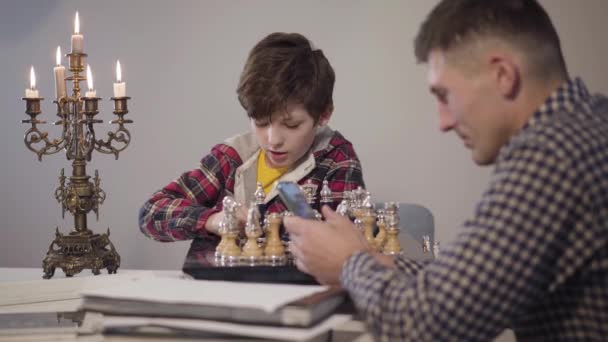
(179, 210)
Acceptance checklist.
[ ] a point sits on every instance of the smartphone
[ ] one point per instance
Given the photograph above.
(295, 200)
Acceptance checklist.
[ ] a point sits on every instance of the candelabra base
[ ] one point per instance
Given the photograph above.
(78, 251)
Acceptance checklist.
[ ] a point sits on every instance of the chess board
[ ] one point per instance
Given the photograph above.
(206, 265)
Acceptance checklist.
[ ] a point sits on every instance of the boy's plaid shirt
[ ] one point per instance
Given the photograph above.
(533, 258)
(179, 210)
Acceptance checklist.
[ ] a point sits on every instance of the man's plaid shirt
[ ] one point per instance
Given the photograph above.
(534, 256)
(179, 210)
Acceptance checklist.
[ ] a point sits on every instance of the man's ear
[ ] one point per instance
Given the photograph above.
(507, 74)
(325, 116)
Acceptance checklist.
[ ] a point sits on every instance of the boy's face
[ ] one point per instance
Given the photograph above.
(286, 136)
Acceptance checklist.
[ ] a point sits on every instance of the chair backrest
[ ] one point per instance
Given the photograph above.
(415, 221)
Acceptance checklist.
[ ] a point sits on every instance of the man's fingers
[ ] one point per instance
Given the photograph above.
(294, 224)
(335, 219)
(328, 212)
(301, 266)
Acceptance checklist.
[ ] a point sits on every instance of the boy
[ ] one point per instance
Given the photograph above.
(286, 89)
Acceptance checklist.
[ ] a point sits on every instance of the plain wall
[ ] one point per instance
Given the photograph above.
(181, 61)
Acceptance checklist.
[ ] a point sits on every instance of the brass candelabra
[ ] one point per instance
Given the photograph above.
(81, 248)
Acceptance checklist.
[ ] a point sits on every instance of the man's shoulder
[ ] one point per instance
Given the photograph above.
(575, 134)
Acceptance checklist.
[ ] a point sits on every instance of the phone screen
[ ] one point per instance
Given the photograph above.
(294, 199)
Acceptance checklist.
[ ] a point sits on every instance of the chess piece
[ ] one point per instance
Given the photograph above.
(259, 196)
(367, 219)
(326, 195)
(229, 250)
(357, 199)
(251, 250)
(309, 189)
(436, 249)
(426, 244)
(381, 236)
(274, 250)
(227, 208)
(344, 208)
(392, 246)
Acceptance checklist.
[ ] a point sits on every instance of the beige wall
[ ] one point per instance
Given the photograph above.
(182, 60)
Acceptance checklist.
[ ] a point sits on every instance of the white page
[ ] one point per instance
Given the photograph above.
(258, 331)
(46, 290)
(267, 297)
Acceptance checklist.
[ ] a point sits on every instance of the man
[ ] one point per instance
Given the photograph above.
(534, 256)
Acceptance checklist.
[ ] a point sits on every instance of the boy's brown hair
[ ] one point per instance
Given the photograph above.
(284, 69)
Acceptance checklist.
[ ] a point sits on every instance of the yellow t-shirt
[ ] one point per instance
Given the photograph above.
(266, 174)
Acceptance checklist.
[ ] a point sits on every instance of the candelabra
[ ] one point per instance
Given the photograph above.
(81, 248)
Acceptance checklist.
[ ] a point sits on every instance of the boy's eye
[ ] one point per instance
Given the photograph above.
(292, 126)
(261, 123)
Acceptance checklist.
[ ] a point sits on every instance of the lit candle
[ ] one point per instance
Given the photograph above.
(120, 88)
(91, 92)
(77, 38)
(32, 92)
(59, 76)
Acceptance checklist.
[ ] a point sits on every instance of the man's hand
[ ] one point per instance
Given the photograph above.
(321, 248)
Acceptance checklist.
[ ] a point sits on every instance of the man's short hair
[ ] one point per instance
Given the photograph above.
(522, 24)
(284, 69)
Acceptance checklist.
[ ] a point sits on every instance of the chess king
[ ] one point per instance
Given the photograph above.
(286, 90)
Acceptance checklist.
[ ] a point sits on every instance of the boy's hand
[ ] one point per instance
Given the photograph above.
(213, 222)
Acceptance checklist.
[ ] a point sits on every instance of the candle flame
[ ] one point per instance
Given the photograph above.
(76, 24)
(118, 72)
(58, 56)
(32, 78)
(89, 77)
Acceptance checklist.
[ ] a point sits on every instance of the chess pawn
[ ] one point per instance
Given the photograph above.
(368, 218)
(253, 231)
(274, 250)
(392, 246)
(436, 249)
(359, 196)
(426, 244)
(342, 208)
(230, 250)
(381, 236)
(326, 195)
(259, 196)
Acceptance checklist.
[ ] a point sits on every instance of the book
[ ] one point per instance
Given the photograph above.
(48, 326)
(253, 303)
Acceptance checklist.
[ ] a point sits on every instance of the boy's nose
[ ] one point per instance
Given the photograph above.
(275, 136)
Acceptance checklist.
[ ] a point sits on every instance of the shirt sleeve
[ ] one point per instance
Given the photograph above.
(346, 172)
(516, 249)
(179, 210)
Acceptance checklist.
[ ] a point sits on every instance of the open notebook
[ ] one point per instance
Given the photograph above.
(275, 304)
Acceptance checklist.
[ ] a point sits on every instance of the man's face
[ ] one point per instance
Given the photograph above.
(469, 103)
(287, 136)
